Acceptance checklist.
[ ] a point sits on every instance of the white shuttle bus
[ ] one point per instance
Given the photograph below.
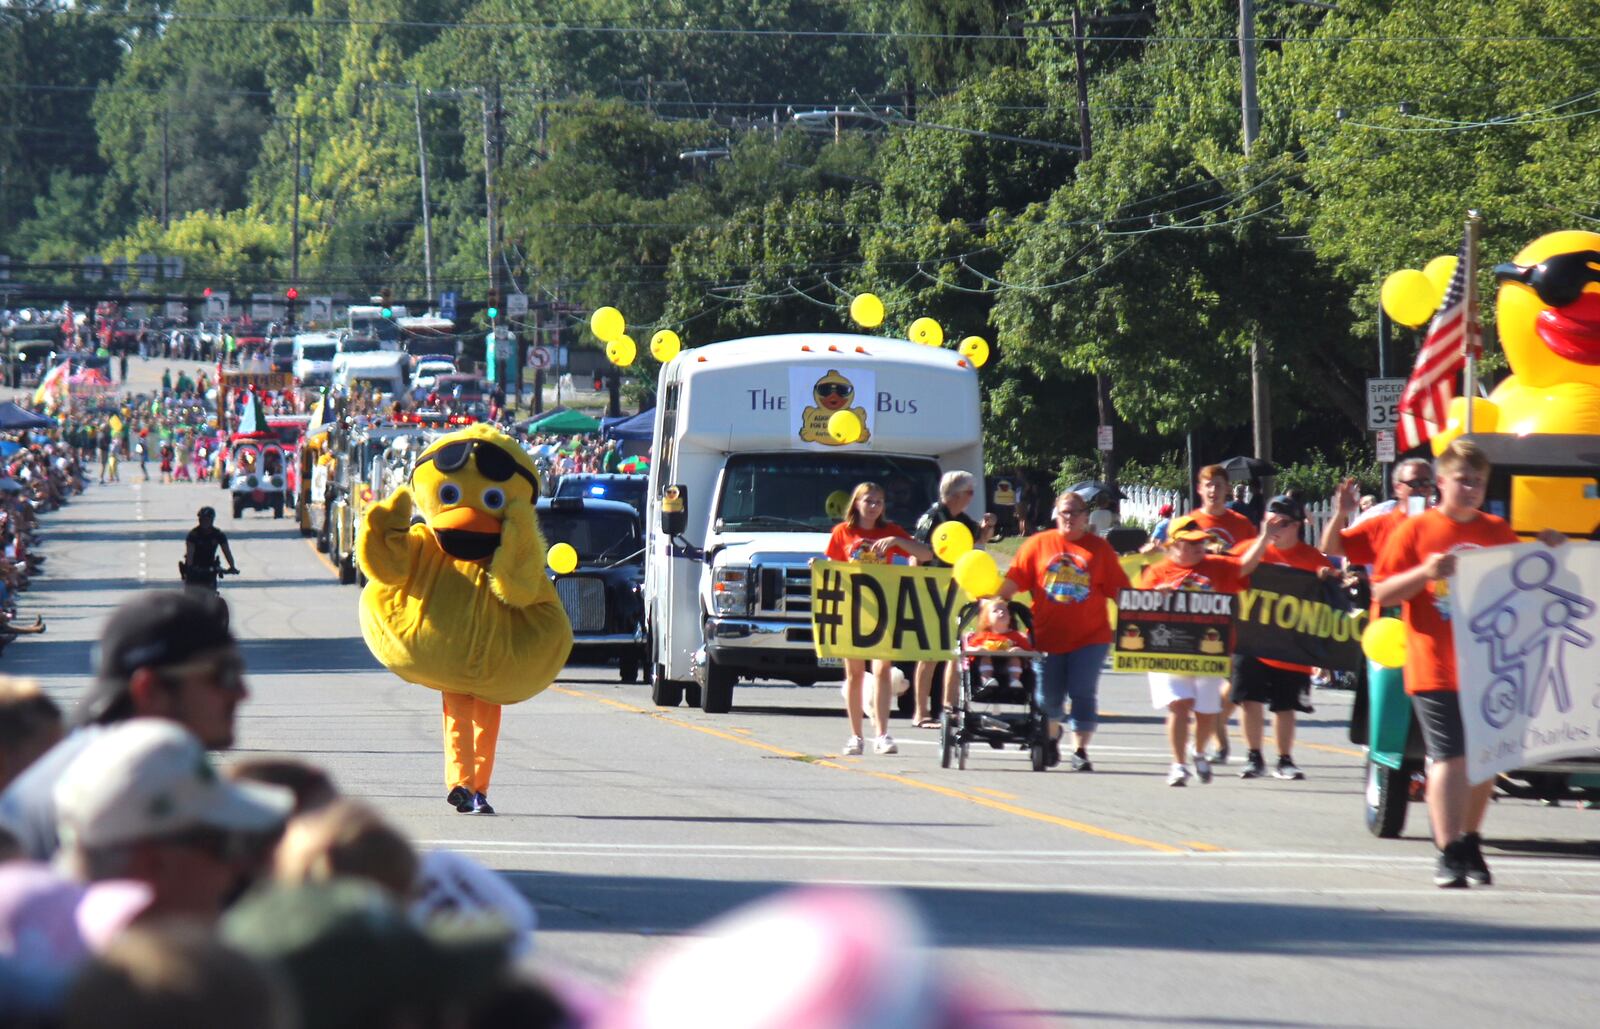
(746, 485)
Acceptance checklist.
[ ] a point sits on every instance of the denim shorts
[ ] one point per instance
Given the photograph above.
(1075, 675)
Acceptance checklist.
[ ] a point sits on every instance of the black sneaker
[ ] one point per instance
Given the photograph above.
(1287, 769)
(480, 805)
(1081, 762)
(460, 798)
(1254, 766)
(1052, 753)
(1451, 871)
(1472, 854)
(1219, 756)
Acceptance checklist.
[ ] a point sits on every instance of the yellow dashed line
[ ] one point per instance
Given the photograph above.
(943, 791)
(1206, 847)
(992, 793)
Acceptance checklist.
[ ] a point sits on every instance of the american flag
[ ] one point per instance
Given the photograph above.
(1451, 335)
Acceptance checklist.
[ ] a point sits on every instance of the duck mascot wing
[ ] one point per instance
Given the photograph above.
(458, 600)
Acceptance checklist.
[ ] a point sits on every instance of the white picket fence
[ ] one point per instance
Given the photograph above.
(1143, 508)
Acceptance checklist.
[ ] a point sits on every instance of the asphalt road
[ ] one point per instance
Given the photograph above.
(1102, 899)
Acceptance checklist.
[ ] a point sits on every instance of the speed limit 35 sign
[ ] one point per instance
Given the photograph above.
(1383, 403)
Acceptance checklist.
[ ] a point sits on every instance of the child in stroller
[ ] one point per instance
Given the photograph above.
(999, 638)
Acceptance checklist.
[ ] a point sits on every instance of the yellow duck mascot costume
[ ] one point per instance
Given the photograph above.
(459, 601)
(1548, 316)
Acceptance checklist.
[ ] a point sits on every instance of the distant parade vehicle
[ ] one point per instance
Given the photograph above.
(257, 473)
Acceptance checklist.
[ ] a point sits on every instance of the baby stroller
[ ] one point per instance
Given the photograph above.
(998, 714)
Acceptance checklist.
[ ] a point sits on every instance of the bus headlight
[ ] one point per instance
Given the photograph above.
(730, 590)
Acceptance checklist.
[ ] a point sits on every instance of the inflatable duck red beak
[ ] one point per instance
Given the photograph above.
(1573, 332)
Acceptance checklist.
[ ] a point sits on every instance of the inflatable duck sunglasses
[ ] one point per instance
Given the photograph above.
(1557, 280)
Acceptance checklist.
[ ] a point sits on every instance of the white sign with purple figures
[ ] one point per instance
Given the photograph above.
(1527, 623)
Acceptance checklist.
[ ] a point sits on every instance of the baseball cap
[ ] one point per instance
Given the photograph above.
(1188, 531)
(1288, 506)
(1166, 511)
(150, 777)
(311, 931)
(155, 628)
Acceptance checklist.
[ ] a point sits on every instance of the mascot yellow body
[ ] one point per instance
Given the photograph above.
(459, 601)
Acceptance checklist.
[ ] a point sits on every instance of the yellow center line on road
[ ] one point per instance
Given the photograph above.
(1331, 749)
(943, 791)
(312, 543)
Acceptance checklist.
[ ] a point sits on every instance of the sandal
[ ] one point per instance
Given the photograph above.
(929, 723)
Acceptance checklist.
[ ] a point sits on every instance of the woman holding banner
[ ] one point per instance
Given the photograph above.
(864, 537)
(1070, 573)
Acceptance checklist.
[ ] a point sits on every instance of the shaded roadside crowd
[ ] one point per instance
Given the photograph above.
(41, 475)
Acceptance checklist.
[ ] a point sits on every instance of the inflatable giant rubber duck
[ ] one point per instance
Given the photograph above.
(1548, 314)
(459, 601)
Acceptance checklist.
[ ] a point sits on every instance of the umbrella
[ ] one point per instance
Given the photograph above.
(634, 466)
(1248, 468)
(10, 485)
(1092, 491)
(15, 417)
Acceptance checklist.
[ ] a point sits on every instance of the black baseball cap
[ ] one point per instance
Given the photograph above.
(1287, 505)
(152, 630)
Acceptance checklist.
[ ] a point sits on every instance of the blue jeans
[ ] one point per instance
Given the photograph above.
(1075, 674)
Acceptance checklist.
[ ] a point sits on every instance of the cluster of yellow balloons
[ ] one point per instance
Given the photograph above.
(611, 328)
(844, 427)
(1411, 297)
(866, 310)
(951, 541)
(1384, 642)
(561, 558)
(976, 572)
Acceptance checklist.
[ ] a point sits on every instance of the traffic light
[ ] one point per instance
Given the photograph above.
(493, 310)
(291, 295)
(206, 292)
(387, 311)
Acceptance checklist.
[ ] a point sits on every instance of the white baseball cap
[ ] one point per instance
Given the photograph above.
(150, 777)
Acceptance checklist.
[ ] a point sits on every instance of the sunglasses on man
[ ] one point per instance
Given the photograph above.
(1558, 280)
(493, 462)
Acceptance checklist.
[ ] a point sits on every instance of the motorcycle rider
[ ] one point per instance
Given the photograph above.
(199, 565)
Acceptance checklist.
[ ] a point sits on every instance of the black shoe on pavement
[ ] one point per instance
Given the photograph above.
(1451, 871)
(1081, 762)
(460, 798)
(1219, 756)
(1254, 766)
(1052, 753)
(1472, 855)
(480, 805)
(1287, 769)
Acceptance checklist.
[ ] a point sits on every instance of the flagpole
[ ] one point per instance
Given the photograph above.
(1469, 338)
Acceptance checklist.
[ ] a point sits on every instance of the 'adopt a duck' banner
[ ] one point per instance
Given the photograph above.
(1525, 620)
(1176, 632)
(893, 612)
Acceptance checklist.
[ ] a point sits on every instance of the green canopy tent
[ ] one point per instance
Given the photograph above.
(565, 422)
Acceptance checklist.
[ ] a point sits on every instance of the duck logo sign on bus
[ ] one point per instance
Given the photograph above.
(815, 400)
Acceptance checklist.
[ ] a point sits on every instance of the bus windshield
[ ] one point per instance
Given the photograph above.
(808, 492)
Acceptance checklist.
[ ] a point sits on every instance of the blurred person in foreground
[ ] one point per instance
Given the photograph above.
(142, 802)
(164, 654)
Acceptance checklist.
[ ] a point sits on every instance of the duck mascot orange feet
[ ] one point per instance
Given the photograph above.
(459, 601)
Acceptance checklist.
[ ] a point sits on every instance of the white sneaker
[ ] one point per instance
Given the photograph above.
(884, 745)
(1178, 776)
(852, 746)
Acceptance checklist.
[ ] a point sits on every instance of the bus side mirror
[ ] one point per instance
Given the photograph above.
(674, 510)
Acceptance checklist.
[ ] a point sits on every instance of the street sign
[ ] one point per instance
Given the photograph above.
(540, 357)
(1103, 438)
(176, 310)
(217, 304)
(447, 304)
(1383, 403)
(516, 304)
(1385, 446)
(319, 309)
(264, 307)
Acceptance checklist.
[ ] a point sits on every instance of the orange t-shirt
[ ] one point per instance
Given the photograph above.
(1214, 574)
(1304, 557)
(997, 641)
(1430, 643)
(849, 543)
(1363, 541)
(1227, 529)
(1070, 582)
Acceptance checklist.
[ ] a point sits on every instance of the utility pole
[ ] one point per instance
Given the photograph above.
(491, 154)
(294, 222)
(427, 216)
(166, 177)
(1260, 387)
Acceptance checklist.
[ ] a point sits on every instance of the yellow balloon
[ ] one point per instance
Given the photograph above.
(837, 503)
(975, 349)
(866, 311)
(1384, 642)
(950, 541)
(607, 324)
(976, 572)
(1409, 297)
(562, 559)
(1440, 271)
(664, 345)
(621, 351)
(844, 426)
(927, 332)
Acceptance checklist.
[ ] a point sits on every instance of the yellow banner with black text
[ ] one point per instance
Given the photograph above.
(893, 612)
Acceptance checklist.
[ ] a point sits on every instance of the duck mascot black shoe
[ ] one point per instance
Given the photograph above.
(459, 601)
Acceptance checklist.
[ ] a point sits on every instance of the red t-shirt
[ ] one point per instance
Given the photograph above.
(1304, 557)
(1363, 541)
(1215, 573)
(997, 641)
(1070, 582)
(1227, 529)
(848, 543)
(1430, 643)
